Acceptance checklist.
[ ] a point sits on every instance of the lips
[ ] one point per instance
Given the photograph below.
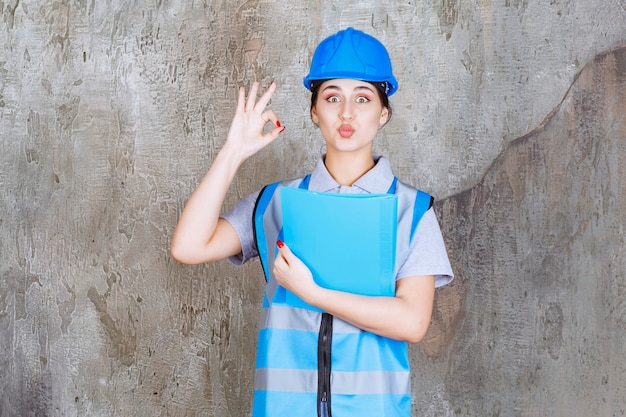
(345, 131)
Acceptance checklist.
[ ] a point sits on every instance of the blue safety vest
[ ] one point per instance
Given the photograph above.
(309, 361)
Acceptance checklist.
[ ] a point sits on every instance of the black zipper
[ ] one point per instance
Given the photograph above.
(324, 350)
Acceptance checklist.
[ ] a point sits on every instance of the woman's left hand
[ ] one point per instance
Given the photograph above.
(292, 273)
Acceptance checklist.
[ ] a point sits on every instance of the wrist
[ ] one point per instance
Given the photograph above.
(315, 295)
(231, 156)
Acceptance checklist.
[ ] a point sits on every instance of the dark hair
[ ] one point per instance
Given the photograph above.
(381, 89)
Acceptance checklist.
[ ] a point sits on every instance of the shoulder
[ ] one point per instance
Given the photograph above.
(409, 188)
(409, 195)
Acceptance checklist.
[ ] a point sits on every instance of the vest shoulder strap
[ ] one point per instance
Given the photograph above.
(262, 201)
(423, 202)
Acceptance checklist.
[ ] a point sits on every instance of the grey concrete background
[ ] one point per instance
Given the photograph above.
(512, 113)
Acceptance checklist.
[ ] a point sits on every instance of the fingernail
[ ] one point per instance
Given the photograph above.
(277, 123)
(280, 244)
(282, 129)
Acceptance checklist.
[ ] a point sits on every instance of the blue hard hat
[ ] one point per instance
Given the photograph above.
(352, 54)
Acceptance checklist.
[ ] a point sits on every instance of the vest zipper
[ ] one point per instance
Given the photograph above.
(324, 351)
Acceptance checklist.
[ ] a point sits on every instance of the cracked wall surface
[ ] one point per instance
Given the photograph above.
(535, 323)
(510, 113)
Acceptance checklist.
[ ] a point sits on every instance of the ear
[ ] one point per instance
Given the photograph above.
(384, 116)
(314, 115)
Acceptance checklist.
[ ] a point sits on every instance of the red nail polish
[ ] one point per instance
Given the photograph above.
(277, 123)
(282, 129)
(280, 244)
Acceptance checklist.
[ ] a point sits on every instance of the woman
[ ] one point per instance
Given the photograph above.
(348, 355)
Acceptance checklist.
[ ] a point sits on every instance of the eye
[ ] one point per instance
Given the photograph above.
(362, 99)
(332, 99)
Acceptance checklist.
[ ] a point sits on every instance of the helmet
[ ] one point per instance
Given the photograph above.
(352, 54)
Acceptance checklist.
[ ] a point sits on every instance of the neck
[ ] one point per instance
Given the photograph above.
(347, 167)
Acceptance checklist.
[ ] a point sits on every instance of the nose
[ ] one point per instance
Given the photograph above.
(347, 111)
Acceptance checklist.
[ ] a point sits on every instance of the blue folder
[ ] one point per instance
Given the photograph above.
(348, 241)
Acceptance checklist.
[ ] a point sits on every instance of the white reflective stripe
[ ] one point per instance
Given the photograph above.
(348, 383)
(289, 318)
(406, 198)
(370, 382)
(288, 380)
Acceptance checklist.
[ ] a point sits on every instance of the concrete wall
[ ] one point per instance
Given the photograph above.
(511, 113)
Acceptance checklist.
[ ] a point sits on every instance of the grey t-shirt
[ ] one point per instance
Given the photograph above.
(427, 254)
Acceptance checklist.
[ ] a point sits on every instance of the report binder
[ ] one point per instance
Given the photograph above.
(348, 241)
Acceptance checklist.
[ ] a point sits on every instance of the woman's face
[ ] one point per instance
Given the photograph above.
(349, 114)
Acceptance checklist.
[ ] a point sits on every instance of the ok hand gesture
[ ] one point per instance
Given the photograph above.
(245, 136)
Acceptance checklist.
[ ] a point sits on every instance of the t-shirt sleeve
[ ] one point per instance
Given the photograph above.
(240, 217)
(427, 254)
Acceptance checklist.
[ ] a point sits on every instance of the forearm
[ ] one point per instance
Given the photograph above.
(199, 219)
(403, 317)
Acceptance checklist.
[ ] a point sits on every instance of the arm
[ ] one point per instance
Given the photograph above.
(403, 317)
(201, 236)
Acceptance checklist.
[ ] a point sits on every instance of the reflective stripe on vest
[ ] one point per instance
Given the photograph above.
(349, 383)
(370, 373)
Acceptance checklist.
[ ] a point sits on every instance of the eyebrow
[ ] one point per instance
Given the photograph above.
(360, 87)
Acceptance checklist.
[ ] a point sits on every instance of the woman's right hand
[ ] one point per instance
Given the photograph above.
(245, 136)
(201, 235)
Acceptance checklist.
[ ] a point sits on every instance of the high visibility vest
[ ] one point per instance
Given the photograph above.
(310, 362)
